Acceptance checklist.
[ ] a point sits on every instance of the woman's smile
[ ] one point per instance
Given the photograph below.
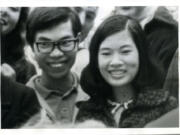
(118, 59)
(117, 73)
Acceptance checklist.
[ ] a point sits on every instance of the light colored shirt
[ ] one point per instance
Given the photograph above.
(60, 107)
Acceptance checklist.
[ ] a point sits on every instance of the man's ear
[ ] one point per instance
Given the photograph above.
(33, 51)
(32, 47)
(78, 37)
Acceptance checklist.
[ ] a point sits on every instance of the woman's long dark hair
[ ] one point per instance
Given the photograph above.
(91, 80)
(12, 44)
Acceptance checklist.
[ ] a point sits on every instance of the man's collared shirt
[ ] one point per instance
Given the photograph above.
(62, 105)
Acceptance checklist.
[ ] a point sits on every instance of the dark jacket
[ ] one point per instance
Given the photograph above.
(12, 53)
(172, 78)
(162, 35)
(148, 106)
(18, 103)
(23, 68)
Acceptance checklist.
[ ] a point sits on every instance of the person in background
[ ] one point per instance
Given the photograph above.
(171, 119)
(18, 103)
(162, 34)
(118, 78)
(90, 16)
(53, 34)
(87, 16)
(13, 62)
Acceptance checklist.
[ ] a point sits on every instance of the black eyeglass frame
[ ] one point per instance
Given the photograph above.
(58, 44)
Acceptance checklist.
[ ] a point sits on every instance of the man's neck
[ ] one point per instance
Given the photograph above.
(63, 84)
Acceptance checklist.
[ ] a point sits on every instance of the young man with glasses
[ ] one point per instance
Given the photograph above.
(53, 34)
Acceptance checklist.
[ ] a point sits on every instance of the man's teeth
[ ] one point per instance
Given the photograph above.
(56, 65)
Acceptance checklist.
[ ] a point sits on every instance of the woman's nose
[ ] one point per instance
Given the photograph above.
(116, 61)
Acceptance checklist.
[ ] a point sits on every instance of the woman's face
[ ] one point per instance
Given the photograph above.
(118, 59)
(9, 18)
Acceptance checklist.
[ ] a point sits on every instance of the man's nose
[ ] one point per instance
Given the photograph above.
(56, 52)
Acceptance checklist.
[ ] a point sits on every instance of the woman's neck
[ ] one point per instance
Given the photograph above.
(123, 94)
(63, 84)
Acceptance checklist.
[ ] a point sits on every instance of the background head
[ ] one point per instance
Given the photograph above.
(110, 26)
(135, 12)
(12, 21)
(90, 16)
(81, 13)
(12, 18)
(43, 18)
(87, 16)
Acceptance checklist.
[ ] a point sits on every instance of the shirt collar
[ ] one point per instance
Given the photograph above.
(44, 92)
(82, 96)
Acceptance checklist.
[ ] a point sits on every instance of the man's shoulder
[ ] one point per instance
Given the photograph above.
(82, 96)
(163, 16)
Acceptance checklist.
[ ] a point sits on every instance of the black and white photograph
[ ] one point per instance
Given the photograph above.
(89, 67)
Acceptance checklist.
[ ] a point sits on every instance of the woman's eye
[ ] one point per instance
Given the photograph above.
(105, 53)
(125, 51)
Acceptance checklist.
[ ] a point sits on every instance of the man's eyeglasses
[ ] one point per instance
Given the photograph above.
(66, 45)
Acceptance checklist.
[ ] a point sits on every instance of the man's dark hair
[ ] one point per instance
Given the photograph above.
(42, 18)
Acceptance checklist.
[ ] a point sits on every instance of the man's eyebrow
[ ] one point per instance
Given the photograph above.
(66, 37)
(48, 39)
(44, 39)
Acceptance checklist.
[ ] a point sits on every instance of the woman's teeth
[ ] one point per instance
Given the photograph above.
(116, 73)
